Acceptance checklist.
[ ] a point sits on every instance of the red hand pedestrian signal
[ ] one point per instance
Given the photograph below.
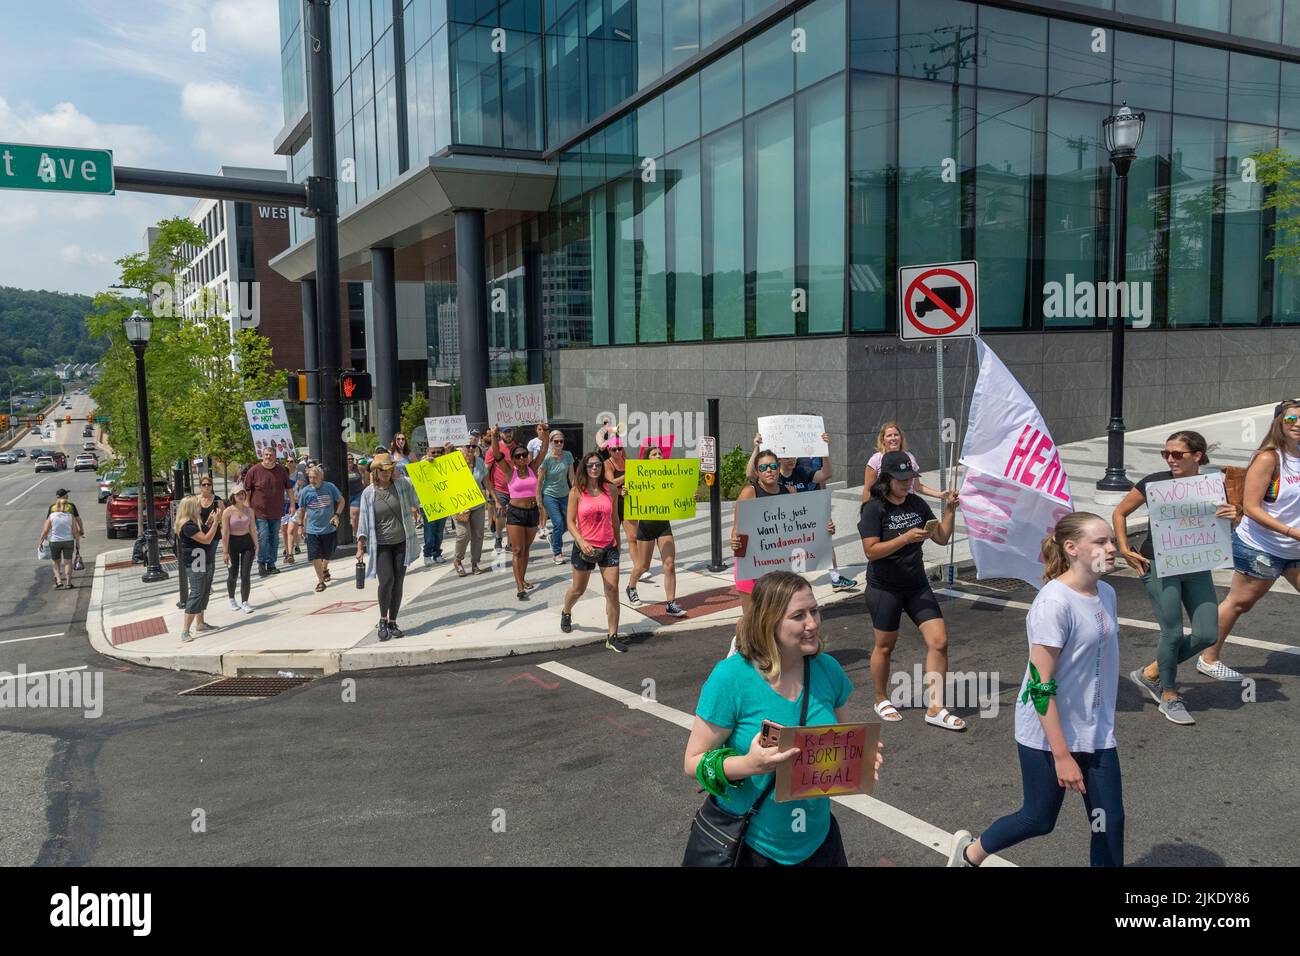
(355, 386)
(349, 386)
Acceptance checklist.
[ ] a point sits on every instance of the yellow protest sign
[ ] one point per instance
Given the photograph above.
(662, 489)
(445, 486)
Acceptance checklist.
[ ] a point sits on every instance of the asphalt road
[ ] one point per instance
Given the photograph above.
(508, 763)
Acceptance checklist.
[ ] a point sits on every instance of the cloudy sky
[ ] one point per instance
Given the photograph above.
(171, 84)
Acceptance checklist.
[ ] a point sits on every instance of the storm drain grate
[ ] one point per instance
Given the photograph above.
(998, 585)
(246, 687)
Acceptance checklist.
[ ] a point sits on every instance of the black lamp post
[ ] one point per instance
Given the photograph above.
(138, 329)
(1123, 132)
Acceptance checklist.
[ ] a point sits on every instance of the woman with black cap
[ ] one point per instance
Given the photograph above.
(62, 529)
(894, 525)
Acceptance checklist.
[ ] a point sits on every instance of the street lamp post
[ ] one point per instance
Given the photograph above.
(138, 330)
(1123, 132)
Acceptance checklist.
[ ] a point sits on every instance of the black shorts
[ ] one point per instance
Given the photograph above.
(61, 550)
(887, 607)
(606, 557)
(320, 547)
(523, 517)
(653, 530)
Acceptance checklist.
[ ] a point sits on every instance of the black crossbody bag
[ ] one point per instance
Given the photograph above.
(716, 835)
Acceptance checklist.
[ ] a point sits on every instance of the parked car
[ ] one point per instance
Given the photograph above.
(8, 458)
(122, 511)
(44, 463)
(106, 483)
(84, 462)
(60, 459)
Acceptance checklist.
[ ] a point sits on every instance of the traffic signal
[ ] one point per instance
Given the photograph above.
(296, 387)
(67, 419)
(4, 423)
(354, 386)
(40, 419)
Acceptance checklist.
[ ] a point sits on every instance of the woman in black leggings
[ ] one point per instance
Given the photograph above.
(239, 537)
(894, 524)
(388, 536)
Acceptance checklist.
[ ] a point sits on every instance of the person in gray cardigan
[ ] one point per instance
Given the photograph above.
(389, 535)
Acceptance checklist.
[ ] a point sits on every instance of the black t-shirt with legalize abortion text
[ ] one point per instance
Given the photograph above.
(904, 570)
(1146, 550)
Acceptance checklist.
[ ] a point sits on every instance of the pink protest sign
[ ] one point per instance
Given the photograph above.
(834, 760)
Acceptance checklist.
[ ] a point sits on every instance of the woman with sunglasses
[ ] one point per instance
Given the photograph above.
(469, 524)
(593, 522)
(556, 481)
(1185, 451)
(239, 537)
(388, 537)
(650, 534)
(1266, 545)
(500, 452)
(615, 476)
(209, 504)
(400, 451)
(522, 511)
(768, 469)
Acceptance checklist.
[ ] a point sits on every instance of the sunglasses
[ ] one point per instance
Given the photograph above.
(770, 466)
(520, 457)
(593, 464)
(1290, 419)
(205, 484)
(557, 441)
(1175, 455)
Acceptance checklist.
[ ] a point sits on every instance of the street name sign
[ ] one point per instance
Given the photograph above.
(56, 169)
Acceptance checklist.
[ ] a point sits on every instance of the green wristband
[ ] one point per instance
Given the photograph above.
(709, 773)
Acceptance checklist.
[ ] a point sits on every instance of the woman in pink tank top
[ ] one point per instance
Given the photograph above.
(523, 509)
(594, 524)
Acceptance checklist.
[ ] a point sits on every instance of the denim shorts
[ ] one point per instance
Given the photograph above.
(1259, 564)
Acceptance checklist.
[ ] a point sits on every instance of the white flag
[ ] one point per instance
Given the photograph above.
(1016, 488)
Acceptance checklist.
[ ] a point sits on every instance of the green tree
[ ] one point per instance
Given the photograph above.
(414, 411)
(1279, 173)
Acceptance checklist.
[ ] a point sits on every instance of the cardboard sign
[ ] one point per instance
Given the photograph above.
(516, 405)
(834, 760)
(794, 436)
(269, 426)
(1185, 534)
(783, 533)
(662, 490)
(445, 486)
(446, 429)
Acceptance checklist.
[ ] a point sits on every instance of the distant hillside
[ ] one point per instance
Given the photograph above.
(42, 329)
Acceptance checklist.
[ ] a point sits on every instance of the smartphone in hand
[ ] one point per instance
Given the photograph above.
(931, 525)
(744, 545)
(770, 735)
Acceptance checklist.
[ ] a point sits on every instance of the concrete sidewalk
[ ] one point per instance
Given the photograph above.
(446, 617)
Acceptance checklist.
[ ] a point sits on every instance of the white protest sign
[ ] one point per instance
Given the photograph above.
(270, 427)
(783, 533)
(516, 405)
(794, 436)
(447, 429)
(1185, 533)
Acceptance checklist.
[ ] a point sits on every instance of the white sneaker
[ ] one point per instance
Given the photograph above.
(234, 605)
(1218, 670)
(246, 608)
(186, 637)
(428, 560)
(957, 852)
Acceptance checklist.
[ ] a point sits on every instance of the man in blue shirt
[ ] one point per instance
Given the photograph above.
(320, 505)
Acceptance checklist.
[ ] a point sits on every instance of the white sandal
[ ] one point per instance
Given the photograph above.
(886, 710)
(946, 720)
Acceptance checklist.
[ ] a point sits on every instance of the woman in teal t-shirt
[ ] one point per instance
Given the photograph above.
(764, 681)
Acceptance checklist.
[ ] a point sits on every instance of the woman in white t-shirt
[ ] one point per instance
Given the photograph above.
(891, 438)
(1065, 714)
(1266, 545)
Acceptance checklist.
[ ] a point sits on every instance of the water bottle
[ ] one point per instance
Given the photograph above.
(361, 575)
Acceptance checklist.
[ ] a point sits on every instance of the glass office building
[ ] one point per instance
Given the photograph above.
(736, 183)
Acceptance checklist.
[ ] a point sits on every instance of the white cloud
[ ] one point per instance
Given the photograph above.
(252, 25)
(65, 125)
(233, 127)
(70, 254)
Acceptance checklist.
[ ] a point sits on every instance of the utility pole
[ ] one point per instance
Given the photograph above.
(323, 206)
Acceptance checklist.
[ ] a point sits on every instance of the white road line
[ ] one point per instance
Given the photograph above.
(1126, 621)
(57, 670)
(38, 637)
(39, 481)
(909, 826)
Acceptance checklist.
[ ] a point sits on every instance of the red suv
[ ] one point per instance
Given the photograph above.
(122, 512)
(60, 460)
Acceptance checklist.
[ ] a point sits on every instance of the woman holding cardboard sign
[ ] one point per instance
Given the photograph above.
(594, 525)
(780, 675)
(894, 526)
(1185, 452)
(1266, 545)
(522, 513)
(650, 534)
